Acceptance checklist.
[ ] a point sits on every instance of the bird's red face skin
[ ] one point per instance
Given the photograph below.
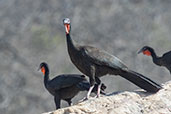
(43, 70)
(67, 28)
(147, 52)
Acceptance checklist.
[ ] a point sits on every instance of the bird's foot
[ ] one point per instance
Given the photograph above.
(84, 99)
(97, 96)
(98, 91)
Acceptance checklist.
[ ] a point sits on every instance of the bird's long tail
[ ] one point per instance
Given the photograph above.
(141, 81)
(85, 86)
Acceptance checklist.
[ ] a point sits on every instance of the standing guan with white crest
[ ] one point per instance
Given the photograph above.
(95, 63)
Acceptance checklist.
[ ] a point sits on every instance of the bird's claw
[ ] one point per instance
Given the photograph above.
(84, 99)
(97, 96)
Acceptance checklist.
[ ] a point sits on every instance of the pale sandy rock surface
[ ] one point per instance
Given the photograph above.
(135, 102)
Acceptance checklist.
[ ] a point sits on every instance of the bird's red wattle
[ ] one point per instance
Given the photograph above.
(147, 52)
(67, 27)
(43, 70)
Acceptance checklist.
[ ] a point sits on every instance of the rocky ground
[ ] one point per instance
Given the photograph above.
(127, 102)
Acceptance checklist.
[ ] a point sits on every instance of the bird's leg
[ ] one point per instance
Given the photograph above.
(88, 94)
(98, 91)
(57, 102)
(92, 81)
(99, 86)
(89, 91)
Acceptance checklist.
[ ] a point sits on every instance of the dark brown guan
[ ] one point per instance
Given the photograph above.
(95, 63)
(65, 86)
(164, 60)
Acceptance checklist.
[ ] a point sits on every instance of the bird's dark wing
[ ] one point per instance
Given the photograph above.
(167, 57)
(103, 58)
(66, 80)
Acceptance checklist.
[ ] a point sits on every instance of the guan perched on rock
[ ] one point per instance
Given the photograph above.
(95, 63)
(65, 86)
(165, 60)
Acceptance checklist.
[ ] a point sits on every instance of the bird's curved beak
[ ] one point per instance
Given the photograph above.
(140, 51)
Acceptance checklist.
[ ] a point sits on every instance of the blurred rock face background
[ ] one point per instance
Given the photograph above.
(31, 31)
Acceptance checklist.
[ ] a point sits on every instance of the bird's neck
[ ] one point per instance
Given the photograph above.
(153, 54)
(46, 77)
(70, 44)
(155, 57)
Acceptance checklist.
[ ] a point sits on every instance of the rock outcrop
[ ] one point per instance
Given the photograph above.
(136, 102)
